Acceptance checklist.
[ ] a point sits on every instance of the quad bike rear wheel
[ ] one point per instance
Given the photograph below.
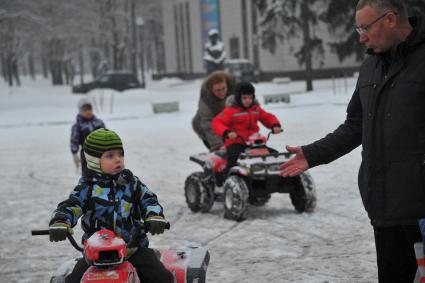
(304, 195)
(199, 196)
(236, 195)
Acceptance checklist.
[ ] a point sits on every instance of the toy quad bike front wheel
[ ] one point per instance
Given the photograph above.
(236, 196)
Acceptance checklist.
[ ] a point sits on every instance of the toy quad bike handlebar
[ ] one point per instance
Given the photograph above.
(69, 236)
(254, 136)
(144, 227)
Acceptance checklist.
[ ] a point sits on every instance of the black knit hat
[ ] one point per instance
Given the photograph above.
(98, 142)
(244, 88)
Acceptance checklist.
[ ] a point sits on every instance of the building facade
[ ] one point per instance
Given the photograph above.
(185, 25)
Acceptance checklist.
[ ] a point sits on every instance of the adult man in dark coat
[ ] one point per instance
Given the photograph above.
(386, 115)
(214, 91)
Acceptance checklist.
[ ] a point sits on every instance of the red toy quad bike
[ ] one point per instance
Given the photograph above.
(106, 254)
(251, 181)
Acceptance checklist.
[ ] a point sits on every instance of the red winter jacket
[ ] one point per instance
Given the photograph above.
(244, 122)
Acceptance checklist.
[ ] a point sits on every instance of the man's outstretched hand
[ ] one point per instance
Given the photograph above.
(296, 165)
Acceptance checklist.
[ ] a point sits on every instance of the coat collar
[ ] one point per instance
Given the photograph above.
(123, 178)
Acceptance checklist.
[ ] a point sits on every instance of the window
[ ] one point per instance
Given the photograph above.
(234, 47)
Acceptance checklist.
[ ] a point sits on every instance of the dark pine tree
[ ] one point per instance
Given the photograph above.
(282, 20)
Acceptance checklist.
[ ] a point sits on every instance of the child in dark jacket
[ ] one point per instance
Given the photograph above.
(239, 120)
(110, 197)
(85, 123)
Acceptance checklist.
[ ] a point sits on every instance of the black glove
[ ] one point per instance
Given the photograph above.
(125, 177)
(58, 231)
(156, 224)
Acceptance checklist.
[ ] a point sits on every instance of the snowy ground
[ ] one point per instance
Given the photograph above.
(275, 244)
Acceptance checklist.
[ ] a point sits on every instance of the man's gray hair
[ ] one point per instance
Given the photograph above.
(382, 6)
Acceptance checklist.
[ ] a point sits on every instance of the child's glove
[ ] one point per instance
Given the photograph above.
(125, 177)
(277, 130)
(76, 159)
(156, 224)
(58, 231)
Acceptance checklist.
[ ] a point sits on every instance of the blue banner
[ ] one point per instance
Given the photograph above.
(209, 17)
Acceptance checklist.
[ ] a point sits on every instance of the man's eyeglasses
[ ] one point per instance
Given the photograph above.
(366, 28)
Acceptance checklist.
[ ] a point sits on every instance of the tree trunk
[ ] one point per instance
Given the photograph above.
(9, 70)
(255, 36)
(25, 70)
(3, 67)
(67, 71)
(12, 70)
(94, 63)
(56, 70)
(15, 70)
(114, 36)
(44, 67)
(81, 63)
(307, 44)
(133, 53)
(31, 66)
(60, 72)
(53, 72)
(105, 60)
(94, 57)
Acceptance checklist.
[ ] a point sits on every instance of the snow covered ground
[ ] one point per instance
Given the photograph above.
(275, 244)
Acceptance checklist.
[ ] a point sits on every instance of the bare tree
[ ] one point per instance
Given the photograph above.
(62, 38)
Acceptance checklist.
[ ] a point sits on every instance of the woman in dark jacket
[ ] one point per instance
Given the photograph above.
(214, 91)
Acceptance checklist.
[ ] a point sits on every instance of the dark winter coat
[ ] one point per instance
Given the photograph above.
(244, 122)
(208, 107)
(386, 115)
(106, 202)
(81, 129)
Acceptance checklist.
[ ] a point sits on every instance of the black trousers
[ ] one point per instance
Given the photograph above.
(233, 152)
(395, 253)
(149, 268)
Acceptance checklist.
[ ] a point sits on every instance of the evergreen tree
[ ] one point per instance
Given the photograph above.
(285, 19)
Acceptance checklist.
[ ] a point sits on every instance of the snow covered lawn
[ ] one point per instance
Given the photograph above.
(275, 244)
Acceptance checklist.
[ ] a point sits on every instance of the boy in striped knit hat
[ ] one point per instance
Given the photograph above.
(111, 197)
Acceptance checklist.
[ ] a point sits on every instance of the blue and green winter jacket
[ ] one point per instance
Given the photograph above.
(109, 202)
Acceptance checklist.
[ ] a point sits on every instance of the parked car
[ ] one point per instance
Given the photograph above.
(242, 69)
(115, 80)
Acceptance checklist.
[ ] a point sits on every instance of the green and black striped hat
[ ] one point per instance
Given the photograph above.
(98, 142)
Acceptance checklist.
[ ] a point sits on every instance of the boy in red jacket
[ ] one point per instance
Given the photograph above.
(239, 120)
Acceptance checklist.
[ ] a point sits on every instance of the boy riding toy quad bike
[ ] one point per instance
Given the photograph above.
(107, 256)
(251, 181)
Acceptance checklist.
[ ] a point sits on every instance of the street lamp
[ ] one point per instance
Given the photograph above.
(140, 25)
